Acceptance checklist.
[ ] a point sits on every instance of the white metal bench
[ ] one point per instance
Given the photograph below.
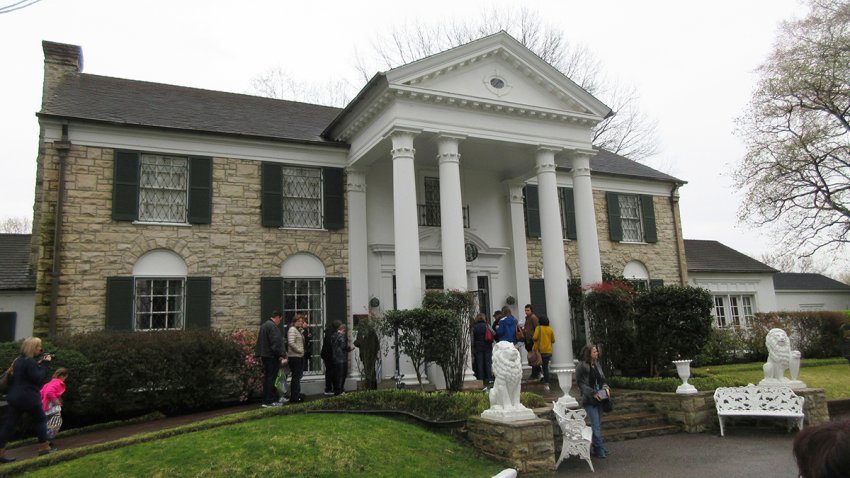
(576, 432)
(773, 402)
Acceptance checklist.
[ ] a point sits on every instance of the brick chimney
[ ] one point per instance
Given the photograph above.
(60, 59)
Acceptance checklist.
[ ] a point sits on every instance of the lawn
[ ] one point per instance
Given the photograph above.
(312, 445)
(832, 375)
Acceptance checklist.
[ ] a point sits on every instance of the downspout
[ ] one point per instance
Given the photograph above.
(680, 245)
(62, 146)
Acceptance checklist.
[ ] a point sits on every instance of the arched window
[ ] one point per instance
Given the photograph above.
(637, 275)
(159, 278)
(304, 293)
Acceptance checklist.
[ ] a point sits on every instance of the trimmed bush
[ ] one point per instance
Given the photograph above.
(723, 346)
(669, 384)
(610, 306)
(815, 334)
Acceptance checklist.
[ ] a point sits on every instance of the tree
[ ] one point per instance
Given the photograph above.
(796, 171)
(629, 132)
(15, 225)
(415, 331)
(786, 261)
(451, 341)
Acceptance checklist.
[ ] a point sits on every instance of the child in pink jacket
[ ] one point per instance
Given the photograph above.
(51, 392)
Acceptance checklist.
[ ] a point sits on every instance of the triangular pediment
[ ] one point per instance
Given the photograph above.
(497, 69)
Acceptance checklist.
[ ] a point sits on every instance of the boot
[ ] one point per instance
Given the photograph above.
(4, 458)
(45, 449)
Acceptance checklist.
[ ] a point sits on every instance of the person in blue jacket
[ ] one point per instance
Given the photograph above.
(507, 327)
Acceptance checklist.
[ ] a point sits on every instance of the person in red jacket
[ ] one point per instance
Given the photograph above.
(51, 402)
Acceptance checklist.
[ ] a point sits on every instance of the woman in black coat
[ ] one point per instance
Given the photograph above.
(482, 350)
(28, 373)
(592, 383)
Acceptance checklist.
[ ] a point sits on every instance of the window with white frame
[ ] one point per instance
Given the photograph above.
(631, 218)
(306, 296)
(733, 310)
(163, 188)
(159, 303)
(302, 197)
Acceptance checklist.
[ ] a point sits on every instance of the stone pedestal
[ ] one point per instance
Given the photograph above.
(527, 445)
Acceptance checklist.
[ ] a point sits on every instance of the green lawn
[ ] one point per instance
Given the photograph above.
(312, 445)
(832, 375)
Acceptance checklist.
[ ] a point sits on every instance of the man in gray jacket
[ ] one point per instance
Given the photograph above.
(270, 350)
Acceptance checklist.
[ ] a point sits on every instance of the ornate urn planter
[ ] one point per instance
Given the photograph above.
(565, 381)
(684, 369)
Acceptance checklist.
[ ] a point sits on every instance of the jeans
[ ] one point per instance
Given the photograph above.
(330, 376)
(546, 359)
(594, 413)
(296, 366)
(339, 377)
(484, 362)
(270, 368)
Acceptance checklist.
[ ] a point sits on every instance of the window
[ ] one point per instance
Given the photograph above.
(304, 296)
(163, 185)
(566, 207)
(631, 218)
(161, 188)
(297, 197)
(159, 304)
(733, 310)
(302, 197)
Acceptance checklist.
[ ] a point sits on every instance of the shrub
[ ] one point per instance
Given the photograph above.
(170, 370)
(669, 384)
(815, 334)
(672, 322)
(451, 341)
(419, 333)
(249, 371)
(723, 346)
(610, 306)
(369, 348)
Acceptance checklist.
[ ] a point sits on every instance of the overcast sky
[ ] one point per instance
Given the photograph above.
(692, 62)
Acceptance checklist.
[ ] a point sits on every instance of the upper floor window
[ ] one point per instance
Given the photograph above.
(298, 197)
(631, 218)
(302, 197)
(161, 188)
(566, 208)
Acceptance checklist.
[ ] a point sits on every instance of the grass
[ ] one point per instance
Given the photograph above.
(832, 375)
(313, 445)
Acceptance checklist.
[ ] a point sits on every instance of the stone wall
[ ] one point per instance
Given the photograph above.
(234, 250)
(527, 445)
(663, 259)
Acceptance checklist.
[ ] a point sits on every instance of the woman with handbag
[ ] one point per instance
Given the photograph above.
(482, 348)
(28, 371)
(594, 390)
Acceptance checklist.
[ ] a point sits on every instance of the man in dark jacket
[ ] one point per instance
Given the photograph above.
(270, 350)
(531, 323)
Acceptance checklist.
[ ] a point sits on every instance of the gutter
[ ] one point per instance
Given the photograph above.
(62, 146)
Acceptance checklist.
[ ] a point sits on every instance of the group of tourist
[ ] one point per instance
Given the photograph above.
(275, 352)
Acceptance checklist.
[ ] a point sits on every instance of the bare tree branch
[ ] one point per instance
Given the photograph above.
(15, 225)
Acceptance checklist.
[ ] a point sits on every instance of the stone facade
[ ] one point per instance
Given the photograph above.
(234, 249)
(527, 445)
(663, 259)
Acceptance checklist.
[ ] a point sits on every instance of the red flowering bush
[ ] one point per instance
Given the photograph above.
(250, 370)
(611, 309)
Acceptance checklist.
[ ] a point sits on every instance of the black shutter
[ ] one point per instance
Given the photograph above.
(119, 303)
(615, 226)
(335, 300)
(334, 198)
(198, 307)
(200, 190)
(125, 186)
(656, 283)
(272, 185)
(8, 322)
(532, 211)
(648, 210)
(538, 296)
(271, 297)
(569, 206)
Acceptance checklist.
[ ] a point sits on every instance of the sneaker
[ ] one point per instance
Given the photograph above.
(328, 394)
(271, 405)
(282, 401)
(546, 387)
(48, 451)
(485, 389)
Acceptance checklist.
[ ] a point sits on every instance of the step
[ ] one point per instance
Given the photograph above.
(620, 434)
(627, 420)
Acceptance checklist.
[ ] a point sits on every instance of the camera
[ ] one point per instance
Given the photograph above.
(51, 354)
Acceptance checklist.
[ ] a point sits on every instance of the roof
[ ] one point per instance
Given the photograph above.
(712, 256)
(140, 103)
(15, 270)
(606, 162)
(807, 281)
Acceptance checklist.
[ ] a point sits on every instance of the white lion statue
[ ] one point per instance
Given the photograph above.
(504, 396)
(779, 359)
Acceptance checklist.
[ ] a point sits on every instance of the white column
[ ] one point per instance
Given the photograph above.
(358, 268)
(471, 284)
(522, 290)
(358, 273)
(405, 223)
(588, 239)
(554, 260)
(451, 214)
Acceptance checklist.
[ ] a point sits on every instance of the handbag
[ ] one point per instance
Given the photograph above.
(605, 400)
(520, 335)
(489, 336)
(535, 359)
(4, 379)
